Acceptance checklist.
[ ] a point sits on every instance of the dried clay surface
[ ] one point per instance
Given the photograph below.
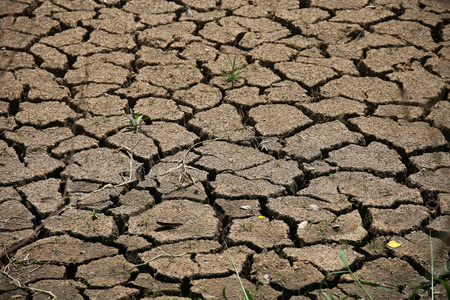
(153, 136)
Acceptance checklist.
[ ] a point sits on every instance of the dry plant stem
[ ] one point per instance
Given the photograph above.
(158, 256)
(19, 285)
(9, 18)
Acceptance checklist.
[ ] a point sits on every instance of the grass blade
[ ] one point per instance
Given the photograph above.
(246, 292)
(432, 267)
(344, 260)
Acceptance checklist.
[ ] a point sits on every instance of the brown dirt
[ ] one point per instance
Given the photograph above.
(333, 137)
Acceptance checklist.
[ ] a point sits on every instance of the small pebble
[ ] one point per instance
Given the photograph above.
(302, 224)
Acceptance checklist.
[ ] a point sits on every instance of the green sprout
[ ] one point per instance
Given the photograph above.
(136, 120)
(233, 73)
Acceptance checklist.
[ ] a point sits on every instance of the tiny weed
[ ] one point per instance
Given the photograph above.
(136, 120)
(234, 72)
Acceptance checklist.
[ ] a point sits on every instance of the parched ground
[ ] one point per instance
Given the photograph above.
(333, 137)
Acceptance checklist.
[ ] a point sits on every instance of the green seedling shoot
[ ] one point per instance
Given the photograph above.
(233, 73)
(136, 120)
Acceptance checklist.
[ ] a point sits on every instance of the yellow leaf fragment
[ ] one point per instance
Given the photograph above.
(261, 217)
(394, 244)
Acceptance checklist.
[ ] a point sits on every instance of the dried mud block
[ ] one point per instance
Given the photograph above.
(427, 90)
(158, 109)
(198, 221)
(256, 75)
(44, 114)
(438, 66)
(82, 195)
(35, 26)
(101, 127)
(78, 5)
(221, 34)
(169, 137)
(236, 187)
(65, 38)
(200, 52)
(140, 145)
(42, 85)
(16, 40)
(398, 220)
(364, 188)
(411, 32)
(444, 203)
(140, 89)
(376, 158)
(425, 17)
(260, 233)
(60, 250)
(180, 265)
(97, 73)
(363, 16)
(324, 257)
(118, 58)
(150, 285)
(213, 289)
(200, 97)
(272, 53)
(329, 32)
(132, 243)
(307, 74)
(335, 108)
(431, 181)
(156, 7)
(52, 60)
(308, 144)
(11, 238)
(364, 89)
(319, 168)
(221, 122)
(431, 161)
(298, 209)
(67, 289)
(271, 269)
(409, 138)
(5, 8)
(338, 4)
(84, 224)
(75, 144)
(112, 42)
(175, 35)
(288, 92)
(366, 40)
(117, 292)
(93, 90)
(106, 272)
(439, 116)
(345, 228)
(222, 156)
(308, 15)
(15, 216)
(131, 204)
(280, 172)
(114, 20)
(387, 60)
(391, 272)
(244, 97)
(277, 119)
(43, 196)
(9, 193)
(222, 62)
(393, 111)
(82, 49)
(203, 16)
(338, 64)
(150, 56)
(13, 60)
(31, 273)
(10, 88)
(440, 226)
(36, 165)
(238, 209)
(71, 19)
(171, 77)
(103, 166)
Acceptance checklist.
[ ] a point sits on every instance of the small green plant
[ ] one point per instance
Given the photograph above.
(94, 215)
(234, 72)
(247, 294)
(136, 120)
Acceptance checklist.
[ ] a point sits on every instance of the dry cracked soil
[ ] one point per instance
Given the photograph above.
(333, 136)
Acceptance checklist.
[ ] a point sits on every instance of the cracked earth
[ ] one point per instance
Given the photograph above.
(334, 137)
